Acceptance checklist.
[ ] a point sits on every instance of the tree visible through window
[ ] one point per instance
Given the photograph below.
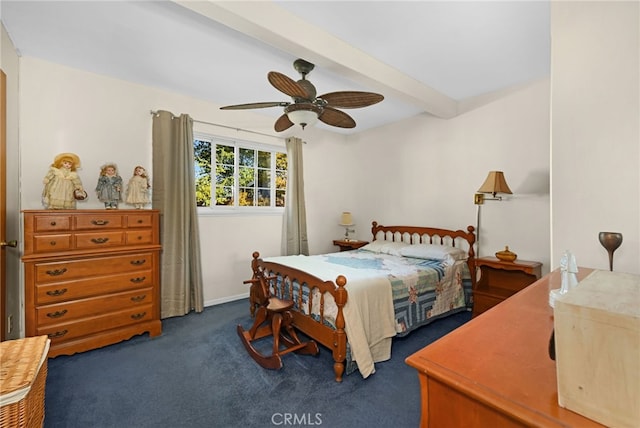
(236, 174)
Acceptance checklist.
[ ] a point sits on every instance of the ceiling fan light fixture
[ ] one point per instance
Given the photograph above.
(303, 114)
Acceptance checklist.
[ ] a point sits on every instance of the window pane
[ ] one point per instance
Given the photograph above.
(202, 169)
(280, 198)
(224, 175)
(246, 197)
(264, 159)
(281, 180)
(224, 195)
(247, 157)
(246, 177)
(264, 197)
(264, 178)
(281, 160)
(224, 154)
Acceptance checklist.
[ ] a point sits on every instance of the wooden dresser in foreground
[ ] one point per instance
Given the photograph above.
(495, 370)
(92, 277)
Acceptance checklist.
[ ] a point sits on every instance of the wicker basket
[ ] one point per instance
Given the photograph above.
(23, 376)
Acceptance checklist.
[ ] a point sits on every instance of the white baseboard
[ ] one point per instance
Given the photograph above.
(226, 299)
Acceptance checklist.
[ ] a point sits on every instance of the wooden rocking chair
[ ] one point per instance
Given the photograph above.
(272, 318)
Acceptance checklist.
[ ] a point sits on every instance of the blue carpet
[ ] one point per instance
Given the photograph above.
(198, 374)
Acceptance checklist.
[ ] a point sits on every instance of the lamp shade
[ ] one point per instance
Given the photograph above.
(346, 219)
(495, 183)
(303, 114)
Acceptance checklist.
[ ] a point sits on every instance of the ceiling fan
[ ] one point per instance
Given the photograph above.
(306, 107)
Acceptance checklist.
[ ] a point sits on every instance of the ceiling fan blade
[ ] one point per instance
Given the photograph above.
(255, 105)
(351, 99)
(282, 123)
(286, 85)
(334, 117)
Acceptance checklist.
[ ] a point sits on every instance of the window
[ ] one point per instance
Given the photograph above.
(239, 174)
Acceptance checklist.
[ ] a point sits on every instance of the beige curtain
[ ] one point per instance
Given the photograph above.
(294, 228)
(173, 191)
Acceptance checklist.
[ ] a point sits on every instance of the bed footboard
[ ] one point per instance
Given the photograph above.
(310, 295)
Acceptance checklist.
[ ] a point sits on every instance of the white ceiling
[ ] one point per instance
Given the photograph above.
(423, 56)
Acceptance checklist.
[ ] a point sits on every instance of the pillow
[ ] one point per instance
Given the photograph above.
(385, 247)
(434, 252)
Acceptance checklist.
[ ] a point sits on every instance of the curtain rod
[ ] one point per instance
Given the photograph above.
(153, 112)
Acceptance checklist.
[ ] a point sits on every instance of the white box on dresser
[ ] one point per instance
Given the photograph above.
(597, 334)
(92, 277)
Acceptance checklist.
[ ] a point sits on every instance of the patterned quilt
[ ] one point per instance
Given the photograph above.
(423, 290)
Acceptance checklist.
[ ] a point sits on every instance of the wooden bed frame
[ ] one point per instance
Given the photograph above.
(318, 329)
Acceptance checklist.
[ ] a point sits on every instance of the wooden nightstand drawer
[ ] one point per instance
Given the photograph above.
(500, 280)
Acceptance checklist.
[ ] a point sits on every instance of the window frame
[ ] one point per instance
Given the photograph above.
(238, 144)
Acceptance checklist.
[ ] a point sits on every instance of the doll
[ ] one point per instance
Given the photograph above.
(109, 186)
(138, 188)
(62, 182)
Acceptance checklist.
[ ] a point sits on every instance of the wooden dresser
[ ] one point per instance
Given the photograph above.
(92, 277)
(495, 370)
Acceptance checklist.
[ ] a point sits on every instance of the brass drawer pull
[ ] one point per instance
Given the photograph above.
(52, 243)
(53, 223)
(138, 279)
(57, 314)
(99, 240)
(57, 334)
(56, 272)
(138, 316)
(100, 222)
(138, 298)
(57, 292)
(138, 262)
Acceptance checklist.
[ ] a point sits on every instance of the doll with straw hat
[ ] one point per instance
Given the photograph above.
(62, 184)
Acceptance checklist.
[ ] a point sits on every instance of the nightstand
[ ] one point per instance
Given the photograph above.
(500, 280)
(349, 245)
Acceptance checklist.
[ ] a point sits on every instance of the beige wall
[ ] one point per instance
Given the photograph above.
(426, 170)
(595, 107)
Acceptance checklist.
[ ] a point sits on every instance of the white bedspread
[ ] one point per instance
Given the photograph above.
(369, 315)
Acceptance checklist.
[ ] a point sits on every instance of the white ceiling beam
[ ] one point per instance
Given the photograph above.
(271, 24)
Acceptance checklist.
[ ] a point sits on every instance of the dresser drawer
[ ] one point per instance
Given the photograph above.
(139, 220)
(49, 243)
(71, 310)
(139, 237)
(96, 324)
(99, 240)
(48, 272)
(98, 221)
(94, 286)
(51, 223)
